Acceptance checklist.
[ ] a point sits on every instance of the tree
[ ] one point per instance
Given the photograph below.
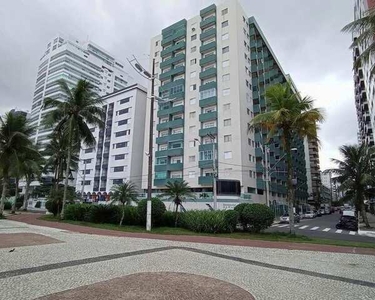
(364, 30)
(125, 193)
(289, 115)
(177, 192)
(355, 172)
(14, 140)
(72, 117)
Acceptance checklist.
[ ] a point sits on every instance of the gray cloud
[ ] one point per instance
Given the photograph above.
(305, 35)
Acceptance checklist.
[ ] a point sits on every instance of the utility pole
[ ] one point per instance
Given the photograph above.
(267, 175)
(214, 170)
(84, 179)
(150, 148)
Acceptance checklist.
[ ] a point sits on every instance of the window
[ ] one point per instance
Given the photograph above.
(193, 37)
(192, 129)
(156, 43)
(227, 122)
(160, 175)
(226, 92)
(192, 115)
(227, 138)
(122, 111)
(226, 77)
(191, 144)
(118, 169)
(126, 100)
(193, 74)
(250, 173)
(119, 156)
(162, 161)
(87, 161)
(193, 87)
(225, 36)
(226, 106)
(209, 124)
(226, 63)
(193, 49)
(207, 93)
(87, 182)
(89, 150)
(193, 61)
(192, 158)
(156, 53)
(163, 147)
(224, 11)
(227, 154)
(250, 157)
(86, 171)
(122, 133)
(191, 174)
(92, 129)
(192, 101)
(248, 111)
(225, 49)
(175, 145)
(224, 24)
(177, 130)
(118, 181)
(176, 160)
(205, 155)
(120, 145)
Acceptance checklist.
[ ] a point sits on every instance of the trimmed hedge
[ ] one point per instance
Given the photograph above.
(209, 221)
(157, 211)
(103, 213)
(255, 217)
(168, 219)
(76, 212)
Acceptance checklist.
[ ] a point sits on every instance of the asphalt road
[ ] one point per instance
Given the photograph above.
(323, 227)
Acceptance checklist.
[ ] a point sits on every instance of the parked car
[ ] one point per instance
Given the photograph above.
(348, 222)
(322, 211)
(310, 215)
(318, 213)
(285, 218)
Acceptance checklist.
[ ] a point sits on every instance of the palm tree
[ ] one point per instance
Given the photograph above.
(72, 117)
(125, 193)
(364, 30)
(177, 192)
(356, 173)
(14, 141)
(289, 116)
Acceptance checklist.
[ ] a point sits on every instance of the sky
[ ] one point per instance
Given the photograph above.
(304, 34)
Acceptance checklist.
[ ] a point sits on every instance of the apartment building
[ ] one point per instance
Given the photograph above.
(118, 154)
(315, 180)
(205, 75)
(72, 60)
(364, 85)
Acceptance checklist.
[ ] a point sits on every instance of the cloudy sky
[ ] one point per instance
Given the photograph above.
(304, 34)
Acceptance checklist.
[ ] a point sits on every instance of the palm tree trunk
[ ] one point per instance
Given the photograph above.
(16, 194)
(363, 211)
(5, 188)
(67, 170)
(289, 197)
(26, 195)
(176, 216)
(123, 214)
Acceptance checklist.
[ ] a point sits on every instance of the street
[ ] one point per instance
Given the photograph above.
(323, 227)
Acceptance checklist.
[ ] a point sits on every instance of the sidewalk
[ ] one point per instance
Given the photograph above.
(362, 230)
(32, 219)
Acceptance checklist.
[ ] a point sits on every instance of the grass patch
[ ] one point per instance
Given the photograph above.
(266, 236)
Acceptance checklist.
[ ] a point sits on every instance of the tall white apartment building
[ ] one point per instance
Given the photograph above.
(363, 83)
(72, 60)
(212, 71)
(118, 154)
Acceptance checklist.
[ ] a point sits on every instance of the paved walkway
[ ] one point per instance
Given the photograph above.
(92, 266)
(32, 218)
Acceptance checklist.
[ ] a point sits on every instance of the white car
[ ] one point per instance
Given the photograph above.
(310, 215)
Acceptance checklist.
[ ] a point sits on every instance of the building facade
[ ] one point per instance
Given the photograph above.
(205, 68)
(118, 154)
(364, 85)
(315, 180)
(72, 60)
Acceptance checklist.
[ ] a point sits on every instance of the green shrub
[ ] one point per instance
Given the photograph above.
(169, 219)
(53, 206)
(76, 212)
(256, 217)
(157, 211)
(7, 205)
(102, 213)
(231, 217)
(239, 208)
(208, 221)
(131, 216)
(38, 204)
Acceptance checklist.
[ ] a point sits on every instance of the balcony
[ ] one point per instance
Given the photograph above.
(205, 164)
(205, 131)
(208, 22)
(171, 124)
(208, 47)
(259, 167)
(261, 184)
(207, 86)
(208, 34)
(172, 72)
(163, 182)
(205, 180)
(175, 36)
(258, 152)
(171, 110)
(207, 147)
(208, 10)
(171, 49)
(169, 138)
(173, 60)
(208, 101)
(208, 59)
(208, 116)
(170, 152)
(208, 73)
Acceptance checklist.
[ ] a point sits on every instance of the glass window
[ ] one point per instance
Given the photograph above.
(156, 53)
(191, 144)
(193, 37)
(207, 93)
(163, 147)
(193, 49)
(119, 156)
(89, 150)
(118, 169)
(225, 36)
(175, 145)
(226, 77)
(122, 111)
(225, 49)
(226, 63)
(162, 161)
(192, 115)
(193, 61)
(126, 100)
(123, 122)
(120, 145)
(193, 87)
(160, 175)
(224, 11)
(192, 101)
(177, 130)
(156, 43)
(226, 92)
(227, 122)
(227, 138)
(227, 154)
(118, 181)
(224, 24)
(192, 158)
(193, 74)
(205, 155)
(227, 106)
(87, 161)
